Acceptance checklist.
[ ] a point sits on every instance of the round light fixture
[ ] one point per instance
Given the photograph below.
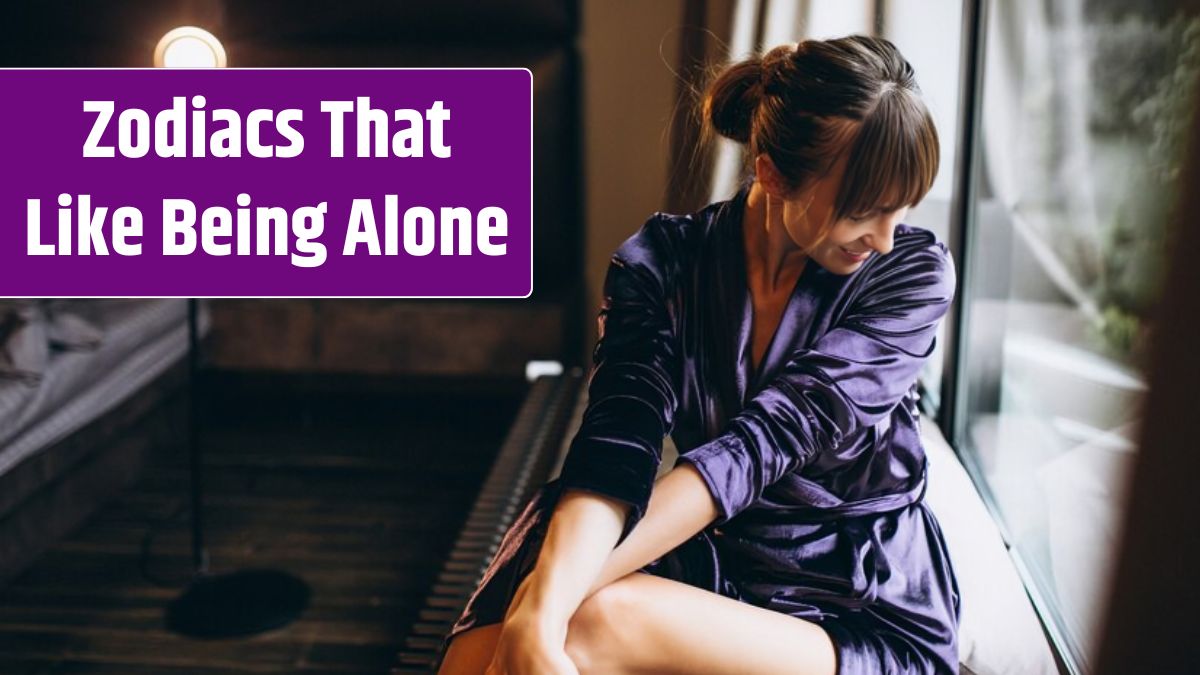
(189, 47)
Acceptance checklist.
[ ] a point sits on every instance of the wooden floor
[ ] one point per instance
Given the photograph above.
(359, 493)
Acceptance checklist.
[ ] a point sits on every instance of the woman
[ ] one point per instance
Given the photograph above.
(777, 337)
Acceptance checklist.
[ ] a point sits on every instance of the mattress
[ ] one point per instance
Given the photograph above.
(142, 339)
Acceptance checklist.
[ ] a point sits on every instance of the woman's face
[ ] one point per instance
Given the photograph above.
(851, 240)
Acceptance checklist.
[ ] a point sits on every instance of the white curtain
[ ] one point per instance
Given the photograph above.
(1036, 149)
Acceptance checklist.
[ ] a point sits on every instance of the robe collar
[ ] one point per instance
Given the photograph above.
(799, 308)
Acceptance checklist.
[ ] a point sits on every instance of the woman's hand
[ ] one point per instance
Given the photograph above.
(532, 639)
(582, 532)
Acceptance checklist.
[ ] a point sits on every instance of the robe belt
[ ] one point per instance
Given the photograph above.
(866, 507)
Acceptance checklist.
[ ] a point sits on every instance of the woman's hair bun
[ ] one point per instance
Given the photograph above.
(734, 96)
(777, 65)
(806, 105)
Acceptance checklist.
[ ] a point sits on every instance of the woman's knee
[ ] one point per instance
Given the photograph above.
(598, 630)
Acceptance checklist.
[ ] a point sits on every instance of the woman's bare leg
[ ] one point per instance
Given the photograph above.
(471, 652)
(647, 624)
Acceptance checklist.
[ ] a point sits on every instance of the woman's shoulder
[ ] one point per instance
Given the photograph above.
(909, 238)
(666, 236)
(918, 261)
(655, 242)
(666, 242)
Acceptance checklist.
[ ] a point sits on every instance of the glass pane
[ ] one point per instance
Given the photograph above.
(1085, 103)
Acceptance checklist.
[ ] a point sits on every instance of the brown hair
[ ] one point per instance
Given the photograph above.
(806, 104)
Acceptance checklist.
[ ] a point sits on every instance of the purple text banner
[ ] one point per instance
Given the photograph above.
(266, 183)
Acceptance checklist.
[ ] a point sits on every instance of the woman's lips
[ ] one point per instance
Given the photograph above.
(855, 257)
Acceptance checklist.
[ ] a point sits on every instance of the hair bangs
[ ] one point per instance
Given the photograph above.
(893, 159)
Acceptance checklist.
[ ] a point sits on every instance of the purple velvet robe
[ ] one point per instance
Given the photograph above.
(815, 461)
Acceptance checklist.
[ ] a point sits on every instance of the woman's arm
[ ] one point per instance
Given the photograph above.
(851, 378)
(581, 535)
(608, 474)
(578, 558)
(680, 506)
(582, 531)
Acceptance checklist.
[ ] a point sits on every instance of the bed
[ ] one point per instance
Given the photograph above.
(80, 386)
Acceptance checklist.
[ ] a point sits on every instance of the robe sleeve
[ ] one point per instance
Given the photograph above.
(632, 388)
(853, 377)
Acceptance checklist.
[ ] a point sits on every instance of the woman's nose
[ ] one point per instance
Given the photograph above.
(880, 238)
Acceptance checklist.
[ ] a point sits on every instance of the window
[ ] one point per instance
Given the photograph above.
(1084, 107)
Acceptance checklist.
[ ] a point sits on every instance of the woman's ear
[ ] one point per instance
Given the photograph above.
(769, 176)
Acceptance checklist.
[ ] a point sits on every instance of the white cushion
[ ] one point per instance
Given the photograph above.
(999, 633)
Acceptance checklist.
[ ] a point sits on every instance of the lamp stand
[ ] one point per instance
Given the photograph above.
(234, 604)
